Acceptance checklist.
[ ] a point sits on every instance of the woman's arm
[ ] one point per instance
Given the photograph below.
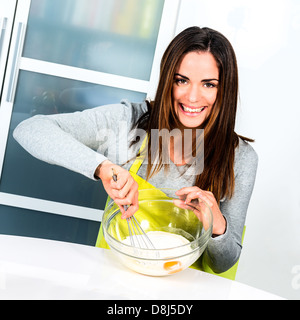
(53, 139)
(223, 252)
(90, 143)
(224, 248)
(78, 141)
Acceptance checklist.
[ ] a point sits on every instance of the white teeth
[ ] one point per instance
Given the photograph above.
(186, 109)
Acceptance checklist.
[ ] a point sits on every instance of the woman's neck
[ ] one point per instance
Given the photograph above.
(182, 146)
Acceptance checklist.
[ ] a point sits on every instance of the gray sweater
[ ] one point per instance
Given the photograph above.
(81, 141)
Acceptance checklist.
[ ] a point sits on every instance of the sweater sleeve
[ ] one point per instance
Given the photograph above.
(78, 141)
(224, 251)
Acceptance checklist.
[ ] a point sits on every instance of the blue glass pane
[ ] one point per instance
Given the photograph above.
(24, 175)
(112, 36)
(33, 224)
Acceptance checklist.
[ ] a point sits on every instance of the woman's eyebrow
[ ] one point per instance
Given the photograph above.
(180, 75)
(209, 80)
(204, 80)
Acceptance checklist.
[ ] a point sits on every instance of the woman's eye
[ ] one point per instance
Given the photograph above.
(180, 81)
(209, 85)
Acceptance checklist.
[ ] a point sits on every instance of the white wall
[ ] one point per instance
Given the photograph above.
(266, 37)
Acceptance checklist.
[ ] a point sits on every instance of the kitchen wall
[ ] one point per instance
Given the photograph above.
(265, 35)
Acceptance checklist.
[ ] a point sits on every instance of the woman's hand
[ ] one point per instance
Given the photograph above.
(187, 198)
(124, 191)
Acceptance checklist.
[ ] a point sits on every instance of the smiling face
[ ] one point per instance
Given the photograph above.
(195, 88)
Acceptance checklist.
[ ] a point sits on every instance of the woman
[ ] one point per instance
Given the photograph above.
(198, 89)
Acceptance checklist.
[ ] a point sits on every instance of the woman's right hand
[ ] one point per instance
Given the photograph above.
(124, 191)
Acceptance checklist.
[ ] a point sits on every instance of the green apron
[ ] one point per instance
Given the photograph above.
(202, 263)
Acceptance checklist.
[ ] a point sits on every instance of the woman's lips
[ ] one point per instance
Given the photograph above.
(192, 110)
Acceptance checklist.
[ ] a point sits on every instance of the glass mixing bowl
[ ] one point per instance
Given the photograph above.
(158, 213)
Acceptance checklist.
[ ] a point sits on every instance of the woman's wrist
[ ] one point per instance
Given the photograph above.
(98, 172)
(222, 231)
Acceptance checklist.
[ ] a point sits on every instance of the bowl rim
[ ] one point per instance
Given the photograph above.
(206, 234)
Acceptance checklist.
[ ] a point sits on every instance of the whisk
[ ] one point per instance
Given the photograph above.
(137, 235)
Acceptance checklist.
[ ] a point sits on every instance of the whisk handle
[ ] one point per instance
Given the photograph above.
(115, 178)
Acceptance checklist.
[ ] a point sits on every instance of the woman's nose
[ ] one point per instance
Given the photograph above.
(194, 94)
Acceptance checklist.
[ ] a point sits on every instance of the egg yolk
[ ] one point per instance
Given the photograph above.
(173, 266)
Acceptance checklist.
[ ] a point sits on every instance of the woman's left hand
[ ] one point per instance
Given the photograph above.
(187, 198)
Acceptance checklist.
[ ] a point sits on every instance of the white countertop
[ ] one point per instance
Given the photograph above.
(41, 269)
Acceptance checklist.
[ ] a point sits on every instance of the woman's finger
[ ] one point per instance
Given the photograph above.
(184, 192)
(132, 209)
(129, 188)
(181, 204)
(187, 190)
(205, 198)
(196, 209)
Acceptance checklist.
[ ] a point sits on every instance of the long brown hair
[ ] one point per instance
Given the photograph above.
(220, 137)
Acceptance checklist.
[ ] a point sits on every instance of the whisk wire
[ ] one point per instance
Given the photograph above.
(136, 233)
(138, 237)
